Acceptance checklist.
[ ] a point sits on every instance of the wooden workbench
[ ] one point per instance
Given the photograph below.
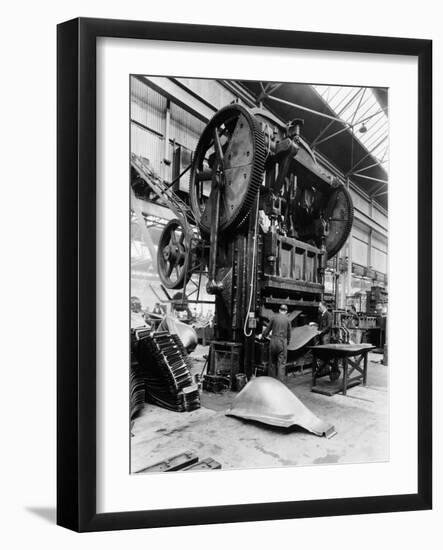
(353, 358)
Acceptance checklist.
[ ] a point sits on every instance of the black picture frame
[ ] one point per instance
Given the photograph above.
(76, 280)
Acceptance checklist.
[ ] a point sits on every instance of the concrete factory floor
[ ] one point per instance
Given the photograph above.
(360, 419)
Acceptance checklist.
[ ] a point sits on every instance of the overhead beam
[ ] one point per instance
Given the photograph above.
(269, 89)
(379, 194)
(378, 163)
(358, 106)
(369, 178)
(302, 108)
(367, 155)
(239, 91)
(338, 114)
(347, 127)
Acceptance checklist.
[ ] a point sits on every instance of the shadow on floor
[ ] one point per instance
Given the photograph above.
(295, 428)
(48, 514)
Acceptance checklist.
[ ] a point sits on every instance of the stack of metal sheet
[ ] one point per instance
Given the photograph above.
(182, 349)
(139, 333)
(137, 388)
(165, 367)
(136, 380)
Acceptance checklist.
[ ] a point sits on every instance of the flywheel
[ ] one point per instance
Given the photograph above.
(237, 135)
(173, 248)
(339, 215)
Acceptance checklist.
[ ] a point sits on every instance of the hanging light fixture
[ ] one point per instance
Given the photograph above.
(363, 129)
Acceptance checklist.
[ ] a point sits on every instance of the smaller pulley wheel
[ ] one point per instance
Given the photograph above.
(339, 216)
(173, 248)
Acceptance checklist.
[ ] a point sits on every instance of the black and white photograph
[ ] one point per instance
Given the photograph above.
(259, 291)
(233, 268)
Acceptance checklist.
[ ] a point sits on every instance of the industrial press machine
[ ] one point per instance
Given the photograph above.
(261, 220)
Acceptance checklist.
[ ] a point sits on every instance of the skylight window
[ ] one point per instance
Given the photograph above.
(360, 108)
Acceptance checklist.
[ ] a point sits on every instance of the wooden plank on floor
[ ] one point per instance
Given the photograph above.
(172, 464)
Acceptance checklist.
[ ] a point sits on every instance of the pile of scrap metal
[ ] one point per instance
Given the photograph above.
(180, 463)
(165, 367)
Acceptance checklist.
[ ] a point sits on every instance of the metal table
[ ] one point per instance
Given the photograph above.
(354, 360)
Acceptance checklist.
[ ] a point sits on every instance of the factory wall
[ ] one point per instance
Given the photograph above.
(369, 249)
(149, 114)
(209, 90)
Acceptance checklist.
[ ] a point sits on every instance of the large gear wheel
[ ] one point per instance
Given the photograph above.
(238, 133)
(339, 215)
